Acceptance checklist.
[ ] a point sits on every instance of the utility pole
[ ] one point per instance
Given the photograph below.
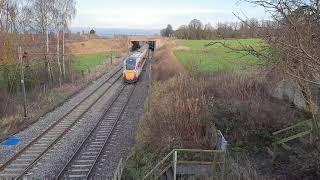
(111, 51)
(150, 80)
(22, 83)
(58, 56)
(63, 58)
(111, 57)
(47, 56)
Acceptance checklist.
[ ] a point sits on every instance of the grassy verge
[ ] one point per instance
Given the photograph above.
(90, 61)
(196, 57)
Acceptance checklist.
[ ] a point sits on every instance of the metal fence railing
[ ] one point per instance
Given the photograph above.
(180, 157)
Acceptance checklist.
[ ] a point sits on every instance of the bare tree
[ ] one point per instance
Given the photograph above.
(167, 32)
(47, 16)
(9, 13)
(40, 15)
(64, 12)
(182, 32)
(208, 31)
(196, 28)
(295, 40)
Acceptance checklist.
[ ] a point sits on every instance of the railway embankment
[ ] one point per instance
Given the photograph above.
(183, 105)
(85, 62)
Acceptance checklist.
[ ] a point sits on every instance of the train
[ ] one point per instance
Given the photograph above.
(134, 64)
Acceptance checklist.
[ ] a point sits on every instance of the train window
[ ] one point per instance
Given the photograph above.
(131, 64)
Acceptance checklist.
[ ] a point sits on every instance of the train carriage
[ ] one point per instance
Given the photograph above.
(134, 64)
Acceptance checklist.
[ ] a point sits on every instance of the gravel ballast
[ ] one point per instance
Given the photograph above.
(30, 133)
(121, 141)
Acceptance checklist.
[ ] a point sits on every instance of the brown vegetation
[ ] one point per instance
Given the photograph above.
(244, 109)
(38, 106)
(183, 107)
(97, 45)
(178, 116)
(165, 65)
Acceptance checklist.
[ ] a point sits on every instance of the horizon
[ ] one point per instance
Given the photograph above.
(107, 32)
(156, 15)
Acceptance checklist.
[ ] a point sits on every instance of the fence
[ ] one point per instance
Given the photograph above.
(214, 159)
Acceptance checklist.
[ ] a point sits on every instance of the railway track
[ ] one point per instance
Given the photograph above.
(27, 157)
(85, 159)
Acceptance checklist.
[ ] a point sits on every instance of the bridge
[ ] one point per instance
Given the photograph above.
(154, 41)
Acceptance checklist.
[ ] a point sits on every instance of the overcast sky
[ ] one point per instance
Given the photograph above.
(151, 14)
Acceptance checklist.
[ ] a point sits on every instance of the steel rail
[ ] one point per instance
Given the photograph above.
(87, 137)
(92, 133)
(7, 163)
(110, 134)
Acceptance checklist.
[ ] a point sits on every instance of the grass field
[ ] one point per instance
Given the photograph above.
(90, 61)
(196, 57)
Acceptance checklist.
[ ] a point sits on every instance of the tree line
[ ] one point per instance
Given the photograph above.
(251, 28)
(42, 17)
(17, 16)
(45, 23)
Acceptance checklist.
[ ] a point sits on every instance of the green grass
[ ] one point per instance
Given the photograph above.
(7, 70)
(217, 58)
(90, 61)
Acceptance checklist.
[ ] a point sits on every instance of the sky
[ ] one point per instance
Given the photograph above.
(156, 14)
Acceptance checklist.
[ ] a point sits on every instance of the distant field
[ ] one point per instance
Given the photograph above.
(90, 61)
(196, 57)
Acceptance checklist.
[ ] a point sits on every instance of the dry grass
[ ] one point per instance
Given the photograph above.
(178, 116)
(178, 113)
(165, 65)
(183, 107)
(38, 105)
(242, 106)
(97, 45)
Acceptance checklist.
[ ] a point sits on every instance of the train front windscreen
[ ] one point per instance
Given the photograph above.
(130, 64)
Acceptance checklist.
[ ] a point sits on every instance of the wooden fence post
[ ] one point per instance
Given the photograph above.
(175, 159)
(111, 58)
(214, 168)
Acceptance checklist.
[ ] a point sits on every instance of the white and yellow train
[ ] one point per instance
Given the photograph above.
(134, 64)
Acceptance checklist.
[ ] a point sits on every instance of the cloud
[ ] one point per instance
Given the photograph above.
(154, 11)
(146, 14)
(141, 17)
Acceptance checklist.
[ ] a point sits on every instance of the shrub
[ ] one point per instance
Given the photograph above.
(178, 116)
(243, 108)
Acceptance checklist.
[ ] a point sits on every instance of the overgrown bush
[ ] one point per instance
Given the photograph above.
(178, 116)
(165, 64)
(244, 109)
